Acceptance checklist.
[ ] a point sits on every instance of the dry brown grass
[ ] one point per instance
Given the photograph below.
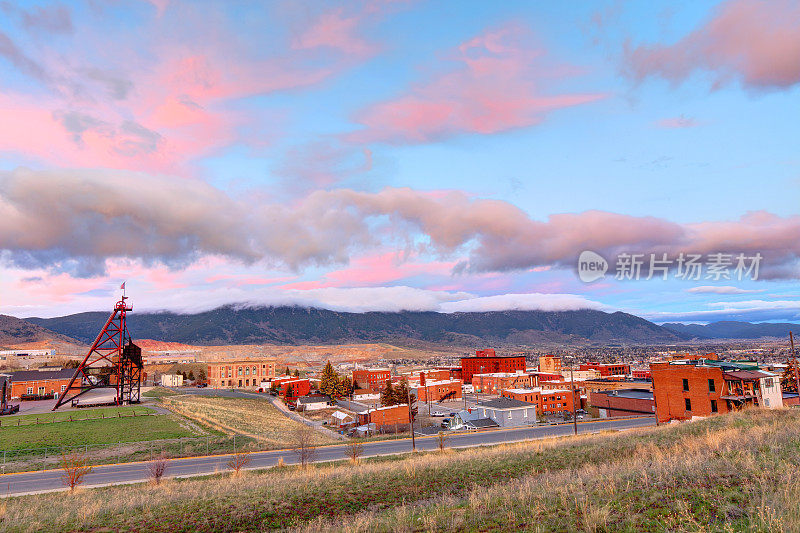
(253, 418)
(731, 473)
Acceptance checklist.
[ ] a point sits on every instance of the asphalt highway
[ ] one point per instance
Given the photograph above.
(115, 474)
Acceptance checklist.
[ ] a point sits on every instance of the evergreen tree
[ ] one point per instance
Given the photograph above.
(191, 375)
(388, 396)
(402, 394)
(329, 380)
(344, 387)
(788, 378)
(287, 372)
(201, 375)
(296, 373)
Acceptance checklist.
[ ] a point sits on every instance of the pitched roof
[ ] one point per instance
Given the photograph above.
(505, 403)
(313, 399)
(39, 375)
(479, 423)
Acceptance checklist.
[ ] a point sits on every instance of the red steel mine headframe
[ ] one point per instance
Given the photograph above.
(112, 361)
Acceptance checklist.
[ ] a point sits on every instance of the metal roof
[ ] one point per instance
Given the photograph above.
(746, 375)
(39, 375)
(635, 394)
(505, 403)
(480, 423)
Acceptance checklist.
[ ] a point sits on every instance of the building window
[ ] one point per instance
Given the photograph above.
(713, 406)
(41, 391)
(766, 402)
(240, 373)
(240, 381)
(768, 383)
(688, 403)
(30, 390)
(685, 384)
(711, 386)
(63, 388)
(247, 371)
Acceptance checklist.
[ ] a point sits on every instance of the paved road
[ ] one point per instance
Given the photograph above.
(49, 480)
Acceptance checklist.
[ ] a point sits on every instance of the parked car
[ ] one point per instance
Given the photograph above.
(446, 423)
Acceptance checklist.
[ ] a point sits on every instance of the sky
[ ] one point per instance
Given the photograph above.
(402, 155)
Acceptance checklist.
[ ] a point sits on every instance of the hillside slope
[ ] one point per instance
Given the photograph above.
(296, 325)
(14, 331)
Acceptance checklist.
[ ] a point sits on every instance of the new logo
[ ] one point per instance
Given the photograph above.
(591, 266)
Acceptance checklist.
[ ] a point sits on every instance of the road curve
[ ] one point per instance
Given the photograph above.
(15, 484)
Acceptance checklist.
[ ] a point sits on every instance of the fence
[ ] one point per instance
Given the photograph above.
(30, 420)
(50, 456)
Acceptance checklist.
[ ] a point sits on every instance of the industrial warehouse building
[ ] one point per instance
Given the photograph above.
(622, 402)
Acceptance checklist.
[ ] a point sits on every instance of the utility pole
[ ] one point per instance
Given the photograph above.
(411, 420)
(794, 361)
(572, 386)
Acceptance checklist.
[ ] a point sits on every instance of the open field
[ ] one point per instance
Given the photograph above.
(75, 414)
(255, 418)
(729, 473)
(112, 429)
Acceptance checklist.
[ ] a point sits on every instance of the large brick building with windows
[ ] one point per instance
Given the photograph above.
(488, 362)
(244, 374)
(690, 388)
(371, 378)
(39, 384)
(546, 401)
(607, 369)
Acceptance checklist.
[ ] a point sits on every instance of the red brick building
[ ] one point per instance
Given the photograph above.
(550, 364)
(546, 401)
(39, 383)
(495, 383)
(607, 369)
(385, 416)
(371, 378)
(487, 362)
(622, 402)
(686, 389)
(294, 388)
(244, 374)
(439, 390)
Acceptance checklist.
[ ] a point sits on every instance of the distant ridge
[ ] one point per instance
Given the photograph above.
(731, 329)
(287, 325)
(14, 331)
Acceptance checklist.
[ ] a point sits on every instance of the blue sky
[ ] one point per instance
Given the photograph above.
(397, 155)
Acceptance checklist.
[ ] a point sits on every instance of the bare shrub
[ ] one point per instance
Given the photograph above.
(75, 466)
(441, 439)
(303, 445)
(156, 468)
(238, 461)
(354, 450)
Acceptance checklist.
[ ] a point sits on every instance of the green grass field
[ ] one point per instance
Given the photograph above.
(734, 472)
(89, 432)
(79, 414)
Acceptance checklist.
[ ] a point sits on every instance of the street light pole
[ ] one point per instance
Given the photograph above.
(572, 386)
(411, 420)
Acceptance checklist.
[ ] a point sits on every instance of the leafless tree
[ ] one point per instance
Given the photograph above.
(354, 450)
(75, 466)
(303, 440)
(441, 439)
(238, 461)
(157, 467)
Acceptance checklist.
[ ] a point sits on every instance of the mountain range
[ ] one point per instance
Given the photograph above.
(295, 325)
(287, 325)
(730, 329)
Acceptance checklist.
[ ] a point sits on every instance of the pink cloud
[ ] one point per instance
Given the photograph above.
(751, 40)
(677, 122)
(495, 87)
(335, 30)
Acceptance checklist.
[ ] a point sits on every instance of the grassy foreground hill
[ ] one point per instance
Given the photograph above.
(736, 472)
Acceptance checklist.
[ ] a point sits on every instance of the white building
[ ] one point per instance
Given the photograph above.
(171, 380)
